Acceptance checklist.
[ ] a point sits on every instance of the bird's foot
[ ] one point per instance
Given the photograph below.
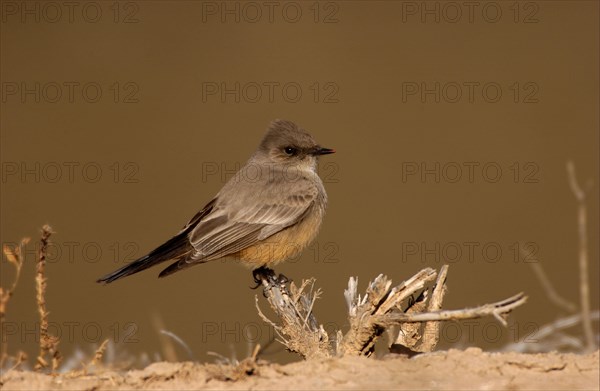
(267, 277)
(262, 273)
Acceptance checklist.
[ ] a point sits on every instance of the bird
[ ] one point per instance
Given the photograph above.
(268, 212)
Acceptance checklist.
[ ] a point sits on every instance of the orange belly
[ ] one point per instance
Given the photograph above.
(283, 245)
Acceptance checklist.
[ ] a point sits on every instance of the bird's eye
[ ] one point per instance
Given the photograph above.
(290, 151)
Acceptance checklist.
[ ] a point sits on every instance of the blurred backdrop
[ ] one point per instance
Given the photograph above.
(452, 123)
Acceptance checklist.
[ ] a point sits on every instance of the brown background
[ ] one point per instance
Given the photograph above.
(155, 140)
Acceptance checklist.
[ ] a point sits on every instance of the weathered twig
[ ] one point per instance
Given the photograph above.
(584, 287)
(551, 292)
(99, 353)
(48, 343)
(93, 364)
(299, 330)
(537, 341)
(497, 310)
(15, 257)
(170, 351)
(431, 331)
(409, 335)
(410, 339)
(166, 339)
(19, 359)
(367, 314)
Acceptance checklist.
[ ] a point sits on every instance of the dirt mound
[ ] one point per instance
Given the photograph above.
(453, 369)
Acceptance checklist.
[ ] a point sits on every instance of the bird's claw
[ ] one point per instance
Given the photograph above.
(263, 274)
(260, 274)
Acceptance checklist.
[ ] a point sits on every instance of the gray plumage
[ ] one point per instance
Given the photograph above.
(276, 197)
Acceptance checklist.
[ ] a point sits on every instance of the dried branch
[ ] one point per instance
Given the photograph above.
(539, 339)
(299, 330)
(431, 331)
(170, 352)
(381, 308)
(48, 343)
(232, 369)
(15, 257)
(498, 310)
(551, 293)
(584, 287)
(97, 359)
(367, 314)
(409, 336)
(166, 339)
(410, 339)
(19, 359)
(94, 362)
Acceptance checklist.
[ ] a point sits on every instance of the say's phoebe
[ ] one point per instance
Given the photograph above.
(269, 211)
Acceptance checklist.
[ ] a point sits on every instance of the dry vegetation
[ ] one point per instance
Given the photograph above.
(48, 342)
(381, 309)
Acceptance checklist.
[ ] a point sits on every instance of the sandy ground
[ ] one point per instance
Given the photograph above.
(453, 369)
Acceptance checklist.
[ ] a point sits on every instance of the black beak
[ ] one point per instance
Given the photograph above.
(322, 151)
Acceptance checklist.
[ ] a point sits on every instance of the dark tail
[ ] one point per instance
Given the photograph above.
(174, 249)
